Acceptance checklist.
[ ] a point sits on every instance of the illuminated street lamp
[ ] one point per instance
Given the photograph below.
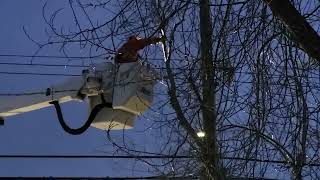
(201, 134)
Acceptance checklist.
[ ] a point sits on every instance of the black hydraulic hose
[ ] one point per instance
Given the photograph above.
(86, 125)
(1, 121)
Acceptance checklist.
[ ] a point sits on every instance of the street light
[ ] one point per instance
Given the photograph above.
(201, 134)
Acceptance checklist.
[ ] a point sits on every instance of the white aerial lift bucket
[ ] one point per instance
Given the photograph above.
(116, 94)
(133, 87)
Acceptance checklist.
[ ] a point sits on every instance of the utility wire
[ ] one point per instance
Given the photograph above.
(132, 82)
(93, 157)
(106, 178)
(142, 157)
(44, 65)
(75, 57)
(71, 90)
(53, 56)
(40, 74)
(36, 93)
(160, 68)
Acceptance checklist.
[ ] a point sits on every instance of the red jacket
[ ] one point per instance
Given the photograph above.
(128, 52)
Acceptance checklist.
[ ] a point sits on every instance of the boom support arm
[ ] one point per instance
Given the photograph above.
(64, 92)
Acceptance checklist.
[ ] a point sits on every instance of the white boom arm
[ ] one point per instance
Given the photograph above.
(128, 87)
(30, 102)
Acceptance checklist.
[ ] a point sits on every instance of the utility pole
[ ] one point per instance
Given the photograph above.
(209, 152)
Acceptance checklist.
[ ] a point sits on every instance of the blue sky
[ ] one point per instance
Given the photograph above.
(38, 132)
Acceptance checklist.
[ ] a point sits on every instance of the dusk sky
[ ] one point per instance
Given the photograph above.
(38, 132)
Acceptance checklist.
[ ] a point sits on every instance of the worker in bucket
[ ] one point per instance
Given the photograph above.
(128, 52)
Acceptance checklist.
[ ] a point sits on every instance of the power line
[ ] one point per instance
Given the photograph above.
(120, 84)
(160, 68)
(40, 74)
(62, 65)
(53, 56)
(71, 90)
(76, 57)
(44, 65)
(124, 178)
(94, 157)
(106, 178)
(143, 157)
(35, 93)
(79, 66)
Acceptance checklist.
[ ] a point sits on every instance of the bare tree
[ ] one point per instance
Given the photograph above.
(231, 72)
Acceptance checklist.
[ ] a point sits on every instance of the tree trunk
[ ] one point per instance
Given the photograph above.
(300, 30)
(210, 151)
